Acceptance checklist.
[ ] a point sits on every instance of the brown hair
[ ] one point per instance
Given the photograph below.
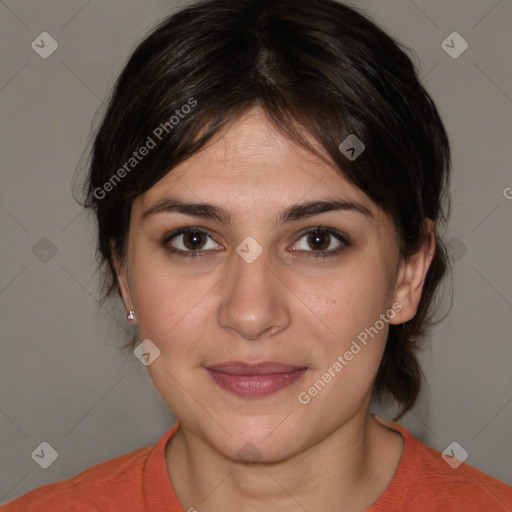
(313, 65)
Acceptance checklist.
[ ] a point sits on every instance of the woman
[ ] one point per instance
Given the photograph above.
(270, 185)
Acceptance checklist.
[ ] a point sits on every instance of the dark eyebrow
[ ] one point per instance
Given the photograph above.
(217, 213)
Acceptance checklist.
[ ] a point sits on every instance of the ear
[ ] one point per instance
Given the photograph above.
(411, 278)
(122, 279)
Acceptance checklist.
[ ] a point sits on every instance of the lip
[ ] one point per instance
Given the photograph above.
(260, 379)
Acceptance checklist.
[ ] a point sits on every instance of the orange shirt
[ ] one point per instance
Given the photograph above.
(139, 482)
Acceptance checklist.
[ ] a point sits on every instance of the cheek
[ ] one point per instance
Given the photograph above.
(172, 315)
(171, 308)
(348, 301)
(350, 334)
(168, 300)
(342, 377)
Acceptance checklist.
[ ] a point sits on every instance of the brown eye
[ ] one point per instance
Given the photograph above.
(194, 240)
(190, 242)
(319, 241)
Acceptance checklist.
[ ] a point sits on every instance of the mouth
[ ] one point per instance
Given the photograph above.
(253, 380)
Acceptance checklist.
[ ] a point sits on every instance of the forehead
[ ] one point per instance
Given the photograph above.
(254, 164)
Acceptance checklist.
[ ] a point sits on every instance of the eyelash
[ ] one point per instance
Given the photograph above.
(199, 253)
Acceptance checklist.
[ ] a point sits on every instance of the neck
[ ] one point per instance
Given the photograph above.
(348, 470)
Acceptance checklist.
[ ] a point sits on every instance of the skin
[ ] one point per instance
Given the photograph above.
(284, 306)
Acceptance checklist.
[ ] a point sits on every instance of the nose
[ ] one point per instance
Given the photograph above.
(254, 302)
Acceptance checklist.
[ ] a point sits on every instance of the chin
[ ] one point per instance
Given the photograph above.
(259, 439)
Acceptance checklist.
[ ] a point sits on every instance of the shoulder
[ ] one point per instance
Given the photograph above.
(427, 481)
(117, 482)
(461, 486)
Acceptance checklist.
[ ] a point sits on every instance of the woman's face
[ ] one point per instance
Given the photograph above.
(257, 293)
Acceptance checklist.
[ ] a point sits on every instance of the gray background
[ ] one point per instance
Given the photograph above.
(63, 377)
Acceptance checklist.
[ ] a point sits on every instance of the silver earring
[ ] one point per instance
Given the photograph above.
(131, 314)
